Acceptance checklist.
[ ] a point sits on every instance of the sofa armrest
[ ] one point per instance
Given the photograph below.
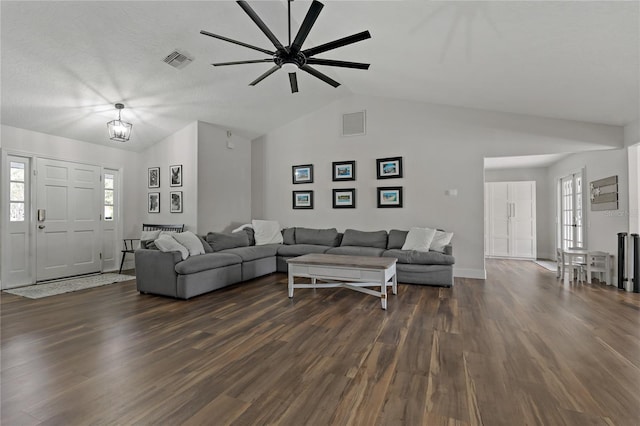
(155, 272)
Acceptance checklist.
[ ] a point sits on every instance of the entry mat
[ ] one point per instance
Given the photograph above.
(38, 291)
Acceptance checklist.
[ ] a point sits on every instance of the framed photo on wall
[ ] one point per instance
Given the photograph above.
(389, 196)
(389, 168)
(153, 177)
(153, 202)
(344, 170)
(344, 198)
(302, 173)
(175, 175)
(302, 199)
(175, 198)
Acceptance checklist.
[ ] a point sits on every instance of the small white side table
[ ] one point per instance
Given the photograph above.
(601, 262)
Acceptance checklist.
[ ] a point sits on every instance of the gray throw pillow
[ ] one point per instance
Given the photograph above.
(396, 239)
(205, 244)
(376, 239)
(289, 236)
(251, 234)
(222, 241)
(320, 237)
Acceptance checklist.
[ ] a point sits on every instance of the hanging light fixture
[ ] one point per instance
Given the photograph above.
(119, 131)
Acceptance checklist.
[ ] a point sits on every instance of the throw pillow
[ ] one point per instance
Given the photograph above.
(241, 227)
(223, 241)
(419, 239)
(149, 235)
(397, 238)
(289, 236)
(267, 232)
(440, 240)
(190, 241)
(377, 239)
(168, 243)
(205, 244)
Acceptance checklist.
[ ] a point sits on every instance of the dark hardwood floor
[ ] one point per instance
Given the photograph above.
(520, 348)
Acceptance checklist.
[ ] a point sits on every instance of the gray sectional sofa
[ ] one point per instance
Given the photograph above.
(231, 258)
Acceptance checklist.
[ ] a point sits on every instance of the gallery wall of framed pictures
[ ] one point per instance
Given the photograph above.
(175, 197)
(345, 198)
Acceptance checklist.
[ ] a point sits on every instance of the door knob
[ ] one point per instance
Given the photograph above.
(40, 226)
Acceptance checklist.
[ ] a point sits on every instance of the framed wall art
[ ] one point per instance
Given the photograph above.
(153, 202)
(344, 170)
(389, 168)
(344, 198)
(175, 175)
(389, 196)
(153, 177)
(175, 198)
(302, 173)
(302, 199)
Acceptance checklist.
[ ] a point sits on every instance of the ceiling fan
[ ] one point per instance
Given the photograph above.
(292, 57)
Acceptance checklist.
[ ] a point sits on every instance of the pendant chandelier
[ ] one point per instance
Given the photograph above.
(119, 131)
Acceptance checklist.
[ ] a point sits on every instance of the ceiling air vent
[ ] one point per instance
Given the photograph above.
(178, 59)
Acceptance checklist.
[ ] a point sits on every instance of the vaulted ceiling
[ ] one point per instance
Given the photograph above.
(65, 64)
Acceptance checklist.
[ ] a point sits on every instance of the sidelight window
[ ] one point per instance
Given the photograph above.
(17, 191)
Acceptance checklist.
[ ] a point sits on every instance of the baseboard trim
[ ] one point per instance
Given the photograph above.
(480, 274)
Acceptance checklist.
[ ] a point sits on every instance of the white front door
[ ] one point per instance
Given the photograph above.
(523, 219)
(68, 231)
(18, 237)
(571, 229)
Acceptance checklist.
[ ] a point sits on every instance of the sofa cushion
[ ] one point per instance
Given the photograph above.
(440, 241)
(419, 257)
(320, 237)
(205, 262)
(356, 251)
(251, 235)
(289, 236)
(254, 252)
(364, 239)
(397, 238)
(222, 241)
(301, 249)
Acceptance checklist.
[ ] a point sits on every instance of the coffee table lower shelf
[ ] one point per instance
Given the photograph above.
(352, 272)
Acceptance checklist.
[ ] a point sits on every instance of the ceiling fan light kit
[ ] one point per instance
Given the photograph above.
(292, 58)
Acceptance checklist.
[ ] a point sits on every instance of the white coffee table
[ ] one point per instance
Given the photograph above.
(353, 272)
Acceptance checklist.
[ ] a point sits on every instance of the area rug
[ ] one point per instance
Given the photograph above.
(547, 264)
(39, 291)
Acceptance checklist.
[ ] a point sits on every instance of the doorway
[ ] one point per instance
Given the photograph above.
(571, 222)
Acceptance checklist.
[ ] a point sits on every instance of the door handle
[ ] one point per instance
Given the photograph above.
(41, 226)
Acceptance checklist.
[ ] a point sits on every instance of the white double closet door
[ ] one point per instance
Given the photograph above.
(68, 213)
(510, 219)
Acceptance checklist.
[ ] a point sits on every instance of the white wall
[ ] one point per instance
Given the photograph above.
(443, 148)
(179, 148)
(224, 179)
(544, 222)
(602, 226)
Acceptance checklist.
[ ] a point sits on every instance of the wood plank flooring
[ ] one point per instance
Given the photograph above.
(520, 348)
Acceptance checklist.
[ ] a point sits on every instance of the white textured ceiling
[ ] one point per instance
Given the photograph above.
(64, 64)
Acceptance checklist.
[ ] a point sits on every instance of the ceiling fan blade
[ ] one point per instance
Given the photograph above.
(255, 18)
(293, 79)
(259, 49)
(320, 75)
(256, 61)
(265, 75)
(337, 43)
(334, 63)
(309, 20)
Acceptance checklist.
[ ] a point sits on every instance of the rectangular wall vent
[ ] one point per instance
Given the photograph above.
(353, 124)
(178, 59)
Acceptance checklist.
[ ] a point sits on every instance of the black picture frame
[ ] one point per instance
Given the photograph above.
(153, 202)
(344, 198)
(302, 173)
(389, 168)
(343, 170)
(175, 201)
(389, 197)
(153, 177)
(302, 199)
(175, 175)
